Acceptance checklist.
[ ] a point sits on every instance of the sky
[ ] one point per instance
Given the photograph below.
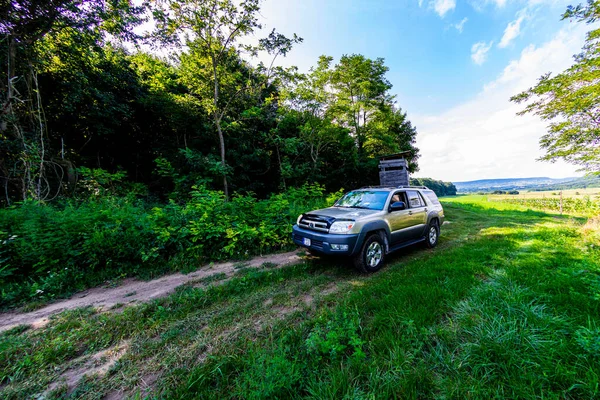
(454, 64)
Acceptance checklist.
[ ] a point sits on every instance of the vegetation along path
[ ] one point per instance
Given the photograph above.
(507, 306)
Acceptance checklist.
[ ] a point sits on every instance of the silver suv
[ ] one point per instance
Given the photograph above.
(371, 222)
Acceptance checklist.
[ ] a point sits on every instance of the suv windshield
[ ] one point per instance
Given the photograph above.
(372, 200)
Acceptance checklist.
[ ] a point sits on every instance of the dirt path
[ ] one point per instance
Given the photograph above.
(134, 291)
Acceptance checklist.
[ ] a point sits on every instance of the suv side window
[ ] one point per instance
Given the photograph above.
(432, 197)
(414, 199)
(399, 196)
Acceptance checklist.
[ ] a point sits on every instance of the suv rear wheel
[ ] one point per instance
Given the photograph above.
(372, 254)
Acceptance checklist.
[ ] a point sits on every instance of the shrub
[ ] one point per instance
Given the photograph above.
(51, 251)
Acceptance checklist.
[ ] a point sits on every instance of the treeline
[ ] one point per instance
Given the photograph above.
(439, 187)
(79, 111)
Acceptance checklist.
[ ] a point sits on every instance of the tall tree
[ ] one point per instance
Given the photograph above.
(392, 132)
(570, 101)
(312, 98)
(214, 28)
(361, 91)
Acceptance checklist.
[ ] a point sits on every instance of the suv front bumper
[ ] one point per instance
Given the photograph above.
(322, 242)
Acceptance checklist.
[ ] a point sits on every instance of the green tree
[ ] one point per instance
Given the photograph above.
(312, 99)
(361, 93)
(570, 101)
(440, 188)
(213, 29)
(391, 132)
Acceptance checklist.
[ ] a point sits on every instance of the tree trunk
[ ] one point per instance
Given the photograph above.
(223, 162)
(217, 117)
(280, 166)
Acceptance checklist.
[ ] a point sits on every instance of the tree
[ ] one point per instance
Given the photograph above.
(571, 101)
(391, 132)
(361, 92)
(23, 25)
(214, 28)
(312, 99)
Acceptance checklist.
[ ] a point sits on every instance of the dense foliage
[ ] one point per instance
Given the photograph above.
(77, 93)
(51, 251)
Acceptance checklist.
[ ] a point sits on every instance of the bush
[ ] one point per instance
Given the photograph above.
(52, 251)
(55, 250)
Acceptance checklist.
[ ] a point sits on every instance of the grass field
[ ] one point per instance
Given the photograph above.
(507, 306)
(593, 193)
(581, 202)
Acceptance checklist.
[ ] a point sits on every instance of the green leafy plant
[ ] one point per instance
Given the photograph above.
(336, 337)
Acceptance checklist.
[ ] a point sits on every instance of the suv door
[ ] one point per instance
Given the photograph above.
(399, 221)
(417, 213)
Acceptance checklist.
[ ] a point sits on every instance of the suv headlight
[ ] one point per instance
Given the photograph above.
(341, 226)
(299, 218)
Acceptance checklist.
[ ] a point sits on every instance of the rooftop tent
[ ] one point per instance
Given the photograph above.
(393, 170)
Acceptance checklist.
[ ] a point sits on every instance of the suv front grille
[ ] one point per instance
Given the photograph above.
(314, 223)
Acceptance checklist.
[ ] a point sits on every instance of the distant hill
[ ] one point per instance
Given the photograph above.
(538, 183)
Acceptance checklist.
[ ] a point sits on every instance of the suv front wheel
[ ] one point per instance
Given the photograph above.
(372, 254)
(433, 232)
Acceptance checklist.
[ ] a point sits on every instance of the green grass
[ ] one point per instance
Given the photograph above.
(507, 306)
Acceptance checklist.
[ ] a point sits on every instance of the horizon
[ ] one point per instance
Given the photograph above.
(508, 179)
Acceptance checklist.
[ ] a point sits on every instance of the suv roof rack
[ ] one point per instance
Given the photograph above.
(395, 187)
(412, 187)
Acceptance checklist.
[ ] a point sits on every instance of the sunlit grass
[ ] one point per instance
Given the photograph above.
(507, 306)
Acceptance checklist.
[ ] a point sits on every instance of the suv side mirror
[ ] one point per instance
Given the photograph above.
(397, 206)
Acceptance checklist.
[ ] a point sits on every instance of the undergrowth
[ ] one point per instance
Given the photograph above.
(48, 251)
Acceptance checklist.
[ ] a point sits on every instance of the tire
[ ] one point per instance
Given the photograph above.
(372, 254)
(432, 235)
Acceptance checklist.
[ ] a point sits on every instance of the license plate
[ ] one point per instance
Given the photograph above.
(306, 242)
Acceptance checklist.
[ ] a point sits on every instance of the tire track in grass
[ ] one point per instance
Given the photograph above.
(136, 291)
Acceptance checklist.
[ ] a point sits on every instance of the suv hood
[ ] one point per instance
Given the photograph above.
(341, 213)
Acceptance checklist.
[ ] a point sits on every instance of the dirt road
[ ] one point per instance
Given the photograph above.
(134, 291)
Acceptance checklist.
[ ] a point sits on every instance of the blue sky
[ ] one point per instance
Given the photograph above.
(454, 64)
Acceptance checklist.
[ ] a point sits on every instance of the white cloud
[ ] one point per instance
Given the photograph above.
(479, 52)
(460, 26)
(443, 6)
(420, 3)
(513, 29)
(484, 138)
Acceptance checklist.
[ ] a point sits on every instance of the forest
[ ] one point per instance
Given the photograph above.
(86, 102)
(131, 151)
